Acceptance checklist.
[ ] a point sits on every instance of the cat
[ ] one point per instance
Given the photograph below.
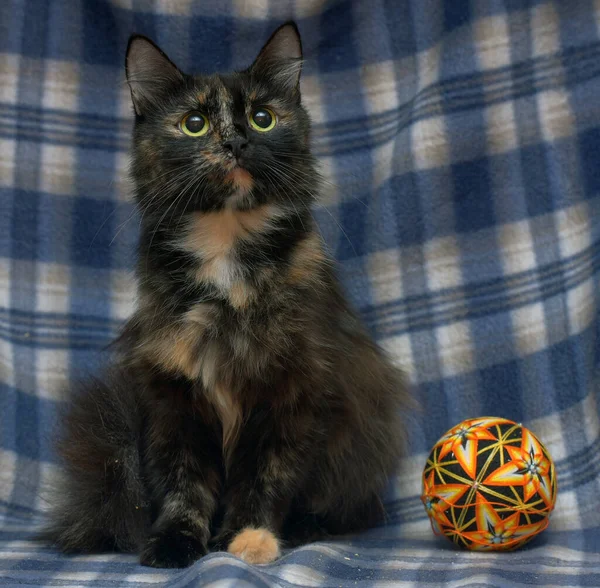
(247, 408)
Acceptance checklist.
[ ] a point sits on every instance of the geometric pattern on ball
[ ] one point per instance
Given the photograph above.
(489, 484)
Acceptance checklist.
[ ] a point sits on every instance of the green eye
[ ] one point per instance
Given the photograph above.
(262, 119)
(194, 124)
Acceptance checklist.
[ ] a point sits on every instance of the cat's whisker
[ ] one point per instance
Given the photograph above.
(122, 226)
(150, 196)
(341, 228)
(154, 179)
(195, 188)
(180, 196)
(159, 224)
(282, 179)
(321, 178)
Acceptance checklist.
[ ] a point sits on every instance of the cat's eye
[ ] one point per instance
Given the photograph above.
(262, 119)
(194, 124)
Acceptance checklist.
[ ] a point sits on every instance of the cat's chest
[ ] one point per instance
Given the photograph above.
(201, 343)
(214, 240)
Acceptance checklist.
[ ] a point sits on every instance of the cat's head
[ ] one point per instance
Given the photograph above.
(204, 142)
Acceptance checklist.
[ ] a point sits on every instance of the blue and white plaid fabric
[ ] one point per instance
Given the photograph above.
(461, 140)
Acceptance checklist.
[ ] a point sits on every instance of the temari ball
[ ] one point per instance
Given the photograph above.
(489, 484)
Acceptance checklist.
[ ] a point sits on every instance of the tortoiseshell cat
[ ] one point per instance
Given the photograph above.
(247, 405)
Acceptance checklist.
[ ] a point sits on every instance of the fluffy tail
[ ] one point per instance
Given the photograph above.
(99, 503)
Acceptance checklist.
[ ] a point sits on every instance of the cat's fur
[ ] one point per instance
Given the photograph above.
(247, 403)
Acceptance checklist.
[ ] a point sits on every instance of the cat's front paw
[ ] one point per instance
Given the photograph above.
(172, 548)
(255, 546)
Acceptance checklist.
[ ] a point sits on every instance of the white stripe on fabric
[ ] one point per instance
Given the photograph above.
(492, 41)
(545, 28)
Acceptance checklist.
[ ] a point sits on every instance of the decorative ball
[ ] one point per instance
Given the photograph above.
(489, 484)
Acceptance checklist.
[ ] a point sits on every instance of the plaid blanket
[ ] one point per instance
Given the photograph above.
(461, 142)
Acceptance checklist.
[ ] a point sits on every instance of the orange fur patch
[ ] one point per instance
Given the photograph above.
(255, 546)
(307, 256)
(241, 179)
(212, 237)
(212, 158)
(240, 294)
(213, 234)
(176, 349)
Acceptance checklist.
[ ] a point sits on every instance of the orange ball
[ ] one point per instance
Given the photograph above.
(489, 484)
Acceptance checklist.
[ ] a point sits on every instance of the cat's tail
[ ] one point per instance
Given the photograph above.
(98, 504)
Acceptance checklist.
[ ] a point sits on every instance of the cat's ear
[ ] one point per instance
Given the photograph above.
(281, 58)
(149, 73)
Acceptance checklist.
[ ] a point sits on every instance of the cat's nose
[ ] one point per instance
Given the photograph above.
(236, 145)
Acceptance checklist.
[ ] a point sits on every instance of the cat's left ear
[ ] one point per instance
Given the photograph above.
(150, 73)
(280, 60)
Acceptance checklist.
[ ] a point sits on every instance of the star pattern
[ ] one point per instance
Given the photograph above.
(489, 484)
(495, 533)
(463, 440)
(528, 467)
(440, 498)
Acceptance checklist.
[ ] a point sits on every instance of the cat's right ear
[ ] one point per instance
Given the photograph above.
(149, 73)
